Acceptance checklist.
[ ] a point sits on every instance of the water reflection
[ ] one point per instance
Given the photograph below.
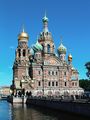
(5, 110)
(23, 112)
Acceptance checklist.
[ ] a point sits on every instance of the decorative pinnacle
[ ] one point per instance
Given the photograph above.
(45, 19)
(45, 14)
(23, 30)
(61, 38)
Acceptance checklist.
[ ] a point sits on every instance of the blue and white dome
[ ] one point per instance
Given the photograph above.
(62, 49)
(45, 19)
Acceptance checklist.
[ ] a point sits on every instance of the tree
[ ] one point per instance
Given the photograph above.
(88, 68)
(85, 84)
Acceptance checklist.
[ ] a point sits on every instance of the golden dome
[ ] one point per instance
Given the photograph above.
(23, 35)
(69, 57)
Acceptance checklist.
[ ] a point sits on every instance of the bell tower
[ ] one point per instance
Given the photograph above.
(21, 63)
(45, 38)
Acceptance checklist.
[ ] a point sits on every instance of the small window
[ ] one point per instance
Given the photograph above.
(48, 48)
(24, 53)
(76, 84)
(56, 83)
(39, 83)
(65, 84)
(72, 83)
(49, 72)
(52, 72)
(49, 83)
(19, 52)
(39, 72)
(52, 83)
(64, 73)
(56, 72)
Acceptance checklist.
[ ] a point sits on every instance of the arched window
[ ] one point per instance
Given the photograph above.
(49, 83)
(65, 73)
(72, 83)
(39, 83)
(19, 52)
(24, 53)
(52, 83)
(43, 47)
(52, 72)
(56, 83)
(39, 72)
(49, 72)
(76, 84)
(48, 48)
(65, 84)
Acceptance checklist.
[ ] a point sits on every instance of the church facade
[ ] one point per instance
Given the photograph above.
(40, 70)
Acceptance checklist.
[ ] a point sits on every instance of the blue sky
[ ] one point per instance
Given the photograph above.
(69, 18)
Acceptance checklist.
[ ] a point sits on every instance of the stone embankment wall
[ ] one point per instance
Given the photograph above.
(77, 107)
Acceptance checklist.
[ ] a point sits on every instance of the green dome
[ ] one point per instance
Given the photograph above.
(62, 49)
(37, 47)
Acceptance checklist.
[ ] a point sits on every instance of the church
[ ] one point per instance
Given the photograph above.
(42, 71)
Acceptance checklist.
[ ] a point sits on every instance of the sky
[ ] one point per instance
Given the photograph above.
(67, 18)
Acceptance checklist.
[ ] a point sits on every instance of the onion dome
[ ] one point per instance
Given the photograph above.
(37, 47)
(45, 19)
(23, 36)
(31, 51)
(45, 24)
(62, 49)
(70, 58)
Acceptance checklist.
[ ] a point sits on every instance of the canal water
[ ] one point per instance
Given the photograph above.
(23, 112)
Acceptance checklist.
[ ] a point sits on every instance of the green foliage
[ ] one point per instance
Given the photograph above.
(85, 84)
(87, 65)
(88, 69)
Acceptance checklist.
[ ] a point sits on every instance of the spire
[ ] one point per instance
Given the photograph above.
(61, 38)
(45, 19)
(45, 23)
(23, 30)
(45, 14)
